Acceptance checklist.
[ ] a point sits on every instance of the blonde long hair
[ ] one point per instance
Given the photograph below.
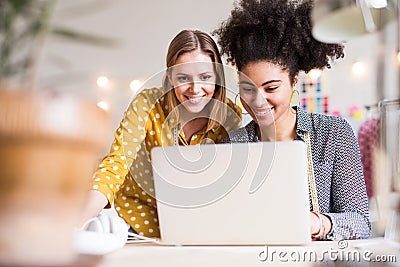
(188, 41)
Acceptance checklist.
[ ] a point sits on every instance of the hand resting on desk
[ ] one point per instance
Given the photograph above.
(102, 234)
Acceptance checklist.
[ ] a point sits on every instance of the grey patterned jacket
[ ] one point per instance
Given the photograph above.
(337, 169)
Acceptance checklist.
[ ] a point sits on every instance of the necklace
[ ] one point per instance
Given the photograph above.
(311, 178)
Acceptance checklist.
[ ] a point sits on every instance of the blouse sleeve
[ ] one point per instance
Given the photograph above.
(128, 137)
(349, 216)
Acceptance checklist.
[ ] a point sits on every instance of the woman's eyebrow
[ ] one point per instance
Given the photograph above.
(271, 81)
(246, 82)
(263, 84)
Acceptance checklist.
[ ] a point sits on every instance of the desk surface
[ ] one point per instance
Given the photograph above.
(318, 253)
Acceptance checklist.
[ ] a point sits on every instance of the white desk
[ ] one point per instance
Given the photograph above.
(155, 255)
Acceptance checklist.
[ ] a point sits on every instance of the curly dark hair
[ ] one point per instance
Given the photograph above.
(278, 31)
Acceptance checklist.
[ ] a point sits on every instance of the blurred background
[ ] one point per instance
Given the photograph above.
(364, 87)
(142, 30)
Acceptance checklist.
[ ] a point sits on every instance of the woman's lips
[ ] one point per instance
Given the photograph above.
(263, 112)
(194, 99)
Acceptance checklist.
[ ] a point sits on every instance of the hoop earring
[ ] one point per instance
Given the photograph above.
(236, 106)
(293, 101)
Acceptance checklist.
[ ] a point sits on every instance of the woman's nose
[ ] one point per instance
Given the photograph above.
(195, 87)
(260, 99)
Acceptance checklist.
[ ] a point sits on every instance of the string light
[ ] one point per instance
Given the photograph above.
(135, 85)
(103, 105)
(314, 74)
(398, 56)
(102, 81)
(358, 68)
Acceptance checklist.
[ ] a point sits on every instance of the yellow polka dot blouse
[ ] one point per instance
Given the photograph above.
(125, 176)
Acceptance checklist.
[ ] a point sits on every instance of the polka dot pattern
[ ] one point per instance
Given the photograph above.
(125, 175)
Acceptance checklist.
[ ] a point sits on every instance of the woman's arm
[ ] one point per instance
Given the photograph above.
(95, 202)
(349, 203)
(111, 172)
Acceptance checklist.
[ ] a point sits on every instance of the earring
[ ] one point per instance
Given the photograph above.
(293, 100)
(241, 107)
(236, 96)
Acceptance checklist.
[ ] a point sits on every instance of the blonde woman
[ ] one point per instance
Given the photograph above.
(190, 108)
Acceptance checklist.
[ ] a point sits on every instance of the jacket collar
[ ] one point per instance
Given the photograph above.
(303, 122)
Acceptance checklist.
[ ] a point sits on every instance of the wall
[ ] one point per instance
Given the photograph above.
(143, 30)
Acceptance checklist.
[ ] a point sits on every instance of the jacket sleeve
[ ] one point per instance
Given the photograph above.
(349, 216)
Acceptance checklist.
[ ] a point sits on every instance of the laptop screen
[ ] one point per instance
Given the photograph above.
(252, 193)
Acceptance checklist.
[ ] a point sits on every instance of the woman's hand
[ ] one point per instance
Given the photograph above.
(315, 223)
(320, 224)
(96, 201)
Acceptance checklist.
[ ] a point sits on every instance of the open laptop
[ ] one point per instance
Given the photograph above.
(233, 194)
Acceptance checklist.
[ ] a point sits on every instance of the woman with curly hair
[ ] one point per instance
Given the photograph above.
(270, 42)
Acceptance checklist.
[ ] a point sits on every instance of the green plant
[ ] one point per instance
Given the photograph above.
(24, 25)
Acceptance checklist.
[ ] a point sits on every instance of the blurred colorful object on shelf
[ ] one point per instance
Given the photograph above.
(355, 112)
(336, 113)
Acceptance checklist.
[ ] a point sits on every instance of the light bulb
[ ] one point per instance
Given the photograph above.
(314, 74)
(135, 85)
(358, 68)
(102, 81)
(103, 105)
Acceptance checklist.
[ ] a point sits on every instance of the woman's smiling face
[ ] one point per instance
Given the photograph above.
(193, 78)
(265, 91)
